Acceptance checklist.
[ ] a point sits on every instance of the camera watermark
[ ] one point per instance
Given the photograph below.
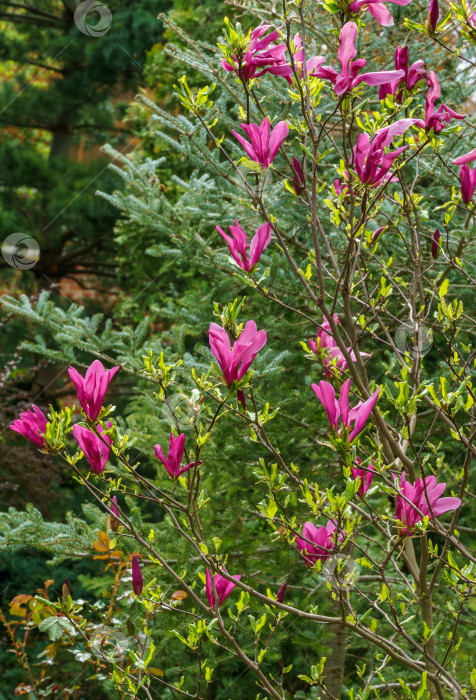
(20, 251)
(92, 18)
(181, 410)
(341, 571)
(109, 644)
(415, 341)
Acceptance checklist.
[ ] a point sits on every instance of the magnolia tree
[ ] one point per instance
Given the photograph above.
(356, 485)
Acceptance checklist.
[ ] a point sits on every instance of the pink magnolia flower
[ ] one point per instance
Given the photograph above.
(92, 388)
(468, 176)
(377, 9)
(443, 115)
(322, 542)
(370, 161)
(348, 77)
(413, 75)
(137, 580)
(472, 20)
(366, 475)
(235, 361)
(223, 588)
(430, 503)
(263, 145)
(173, 461)
(338, 411)
(432, 19)
(238, 244)
(325, 342)
(30, 424)
(94, 448)
(260, 57)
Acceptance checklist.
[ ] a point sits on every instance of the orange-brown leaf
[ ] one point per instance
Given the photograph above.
(101, 546)
(104, 537)
(156, 672)
(20, 599)
(17, 602)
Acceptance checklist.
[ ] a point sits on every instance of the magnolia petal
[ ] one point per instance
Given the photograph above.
(380, 77)
(466, 158)
(279, 133)
(347, 50)
(381, 14)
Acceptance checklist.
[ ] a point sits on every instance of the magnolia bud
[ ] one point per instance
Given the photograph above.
(432, 19)
(241, 398)
(298, 179)
(66, 591)
(281, 593)
(377, 233)
(435, 245)
(112, 522)
(137, 581)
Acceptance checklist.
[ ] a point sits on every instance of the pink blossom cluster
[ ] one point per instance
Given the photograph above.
(370, 159)
(372, 163)
(413, 502)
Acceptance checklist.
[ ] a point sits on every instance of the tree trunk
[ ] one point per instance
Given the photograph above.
(61, 141)
(334, 666)
(70, 5)
(426, 605)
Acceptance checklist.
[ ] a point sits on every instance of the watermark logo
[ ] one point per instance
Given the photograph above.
(86, 18)
(415, 341)
(181, 410)
(20, 251)
(109, 644)
(341, 571)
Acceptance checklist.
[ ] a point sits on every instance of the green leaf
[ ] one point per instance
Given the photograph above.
(384, 593)
(272, 509)
(422, 693)
(444, 288)
(54, 627)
